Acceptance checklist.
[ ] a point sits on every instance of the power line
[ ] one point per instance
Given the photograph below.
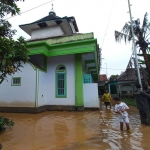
(29, 9)
(105, 72)
(107, 25)
(113, 69)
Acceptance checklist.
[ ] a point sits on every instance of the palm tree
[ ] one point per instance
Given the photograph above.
(142, 35)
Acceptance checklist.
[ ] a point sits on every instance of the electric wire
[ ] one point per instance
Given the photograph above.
(113, 69)
(53, 0)
(29, 9)
(107, 24)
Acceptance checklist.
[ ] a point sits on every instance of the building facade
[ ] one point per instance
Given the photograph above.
(61, 71)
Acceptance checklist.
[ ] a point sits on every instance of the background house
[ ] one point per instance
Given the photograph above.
(127, 80)
(102, 84)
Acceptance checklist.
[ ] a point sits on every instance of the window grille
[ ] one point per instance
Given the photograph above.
(16, 81)
(87, 78)
(61, 81)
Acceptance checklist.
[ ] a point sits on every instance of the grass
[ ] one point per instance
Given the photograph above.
(129, 101)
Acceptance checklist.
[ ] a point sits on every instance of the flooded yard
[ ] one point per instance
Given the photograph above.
(64, 130)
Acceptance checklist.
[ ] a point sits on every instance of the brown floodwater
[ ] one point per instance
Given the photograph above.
(64, 130)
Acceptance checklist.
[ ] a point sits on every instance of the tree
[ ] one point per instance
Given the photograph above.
(12, 53)
(141, 33)
(113, 77)
(9, 2)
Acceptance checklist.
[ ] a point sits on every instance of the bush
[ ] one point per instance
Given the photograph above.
(129, 101)
(127, 96)
(4, 122)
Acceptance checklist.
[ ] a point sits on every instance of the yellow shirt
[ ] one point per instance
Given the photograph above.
(106, 97)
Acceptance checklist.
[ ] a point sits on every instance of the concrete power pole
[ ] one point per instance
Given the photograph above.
(135, 52)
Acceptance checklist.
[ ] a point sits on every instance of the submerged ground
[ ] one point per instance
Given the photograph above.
(62, 130)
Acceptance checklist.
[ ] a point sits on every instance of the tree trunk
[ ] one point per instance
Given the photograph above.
(147, 61)
(143, 107)
(145, 118)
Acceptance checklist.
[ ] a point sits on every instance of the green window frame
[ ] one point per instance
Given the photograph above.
(16, 81)
(87, 78)
(61, 81)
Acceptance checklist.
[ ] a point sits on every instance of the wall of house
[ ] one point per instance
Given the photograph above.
(126, 89)
(47, 32)
(19, 96)
(47, 82)
(43, 88)
(91, 98)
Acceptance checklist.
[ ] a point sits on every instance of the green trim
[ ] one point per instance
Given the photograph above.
(72, 38)
(42, 47)
(96, 60)
(79, 101)
(12, 84)
(37, 88)
(76, 44)
(65, 82)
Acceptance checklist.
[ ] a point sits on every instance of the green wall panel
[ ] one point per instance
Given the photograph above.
(78, 81)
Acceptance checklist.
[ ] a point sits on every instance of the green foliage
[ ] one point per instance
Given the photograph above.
(142, 37)
(9, 2)
(129, 101)
(4, 122)
(12, 52)
(113, 77)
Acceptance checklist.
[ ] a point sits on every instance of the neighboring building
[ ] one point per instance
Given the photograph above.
(102, 84)
(126, 82)
(61, 72)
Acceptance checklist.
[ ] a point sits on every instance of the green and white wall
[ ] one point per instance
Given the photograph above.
(77, 54)
(48, 80)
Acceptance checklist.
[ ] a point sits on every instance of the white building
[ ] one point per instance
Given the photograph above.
(61, 72)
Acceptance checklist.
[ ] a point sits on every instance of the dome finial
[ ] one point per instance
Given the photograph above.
(52, 12)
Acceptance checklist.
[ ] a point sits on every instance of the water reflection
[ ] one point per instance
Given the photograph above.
(88, 130)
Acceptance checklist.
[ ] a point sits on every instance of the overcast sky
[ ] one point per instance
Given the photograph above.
(102, 17)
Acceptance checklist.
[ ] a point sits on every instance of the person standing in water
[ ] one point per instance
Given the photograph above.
(121, 108)
(107, 99)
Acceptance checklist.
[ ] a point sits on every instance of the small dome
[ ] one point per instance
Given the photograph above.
(52, 12)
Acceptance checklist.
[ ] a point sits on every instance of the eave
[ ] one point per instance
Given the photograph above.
(53, 22)
(87, 46)
(42, 47)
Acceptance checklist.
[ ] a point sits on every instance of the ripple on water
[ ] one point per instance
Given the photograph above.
(88, 130)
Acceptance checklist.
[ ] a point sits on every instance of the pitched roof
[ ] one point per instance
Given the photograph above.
(131, 74)
(103, 77)
(57, 19)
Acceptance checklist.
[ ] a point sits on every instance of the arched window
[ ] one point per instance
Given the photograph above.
(61, 81)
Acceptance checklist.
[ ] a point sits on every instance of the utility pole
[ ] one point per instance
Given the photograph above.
(135, 52)
(106, 69)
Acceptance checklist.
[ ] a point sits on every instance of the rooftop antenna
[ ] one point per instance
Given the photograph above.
(52, 6)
